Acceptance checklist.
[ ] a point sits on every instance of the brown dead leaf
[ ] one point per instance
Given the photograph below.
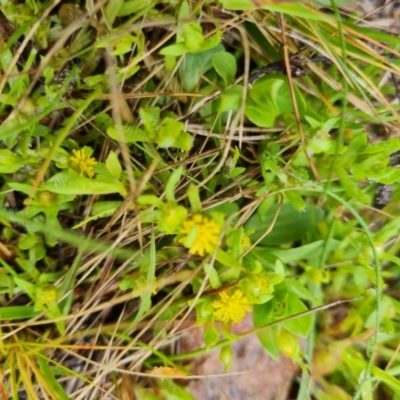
(168, 372)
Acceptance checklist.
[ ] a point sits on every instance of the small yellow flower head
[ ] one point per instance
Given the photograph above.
(155, 287)
(231, 308)
(245, 242)
(50, 295)
(200, 234)
(318, 275)
(83, 163)
(46, 295)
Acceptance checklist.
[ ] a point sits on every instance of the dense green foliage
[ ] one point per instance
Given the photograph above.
(150, 178)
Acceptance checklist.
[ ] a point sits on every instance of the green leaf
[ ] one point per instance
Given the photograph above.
(172, 391)
(296, 200)
(69, 282)
(226, 356)
(112, 9)
(184, 10)
(123, 45)
(225, 65)
(357, 364)
(227, 259)
(261, 112)
(171, 134)
(70, 182)
(297, 288)
(10, 162)
(238, 4)
(17, 312)
(270, 97)
(212, 275)
(57, 390)
(350, 186)
(100, 209)
(300, 326)
(134, 6)
(291, 225)
(296, 10)
(26, 286)
(211, 333)
(148, 268)
(151, 118)
(195, 65)
(29, 267)
(296, 254)
(113, 165)
(131, 134)
(193, 35)
(172, 182)
(268, 337)
(174, 50)
(231, 99)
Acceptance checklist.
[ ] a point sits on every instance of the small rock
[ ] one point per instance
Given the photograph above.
(252, 376)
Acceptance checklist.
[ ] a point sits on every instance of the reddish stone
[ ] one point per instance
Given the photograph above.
(252, 376)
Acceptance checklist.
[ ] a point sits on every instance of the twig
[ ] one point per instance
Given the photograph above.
(293, 96)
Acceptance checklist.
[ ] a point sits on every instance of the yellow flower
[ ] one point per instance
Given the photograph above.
(200, 234)
(46, 295)
(245, 244)
(231, 308)
(83, 163)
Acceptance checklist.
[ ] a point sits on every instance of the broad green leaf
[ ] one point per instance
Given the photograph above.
(26, 286)
(226, 356)
(193, 35)
(300, 326)
(123, 45)
(297, 288)
(262, 315)
(270, 97)
(171, 134)
(291, 225)
(350, 186)
(211, 333)
(150, 118)
(172, 391)
(10, 162)
(212, 274)
(184, 10)
(238, 4)
(174, 50)
(261, 112)
(101, 209)
(227, 259)
(113, 165)
(296, 254)
(131, 7)
(296, 200)
(227, 208)
(196, 64)
(357, 365)
(70, 182)
(95, 80)
(112, 9)
(29, 267)
(225, 65)
(17, 312)
(231, 99)
(130, 134)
